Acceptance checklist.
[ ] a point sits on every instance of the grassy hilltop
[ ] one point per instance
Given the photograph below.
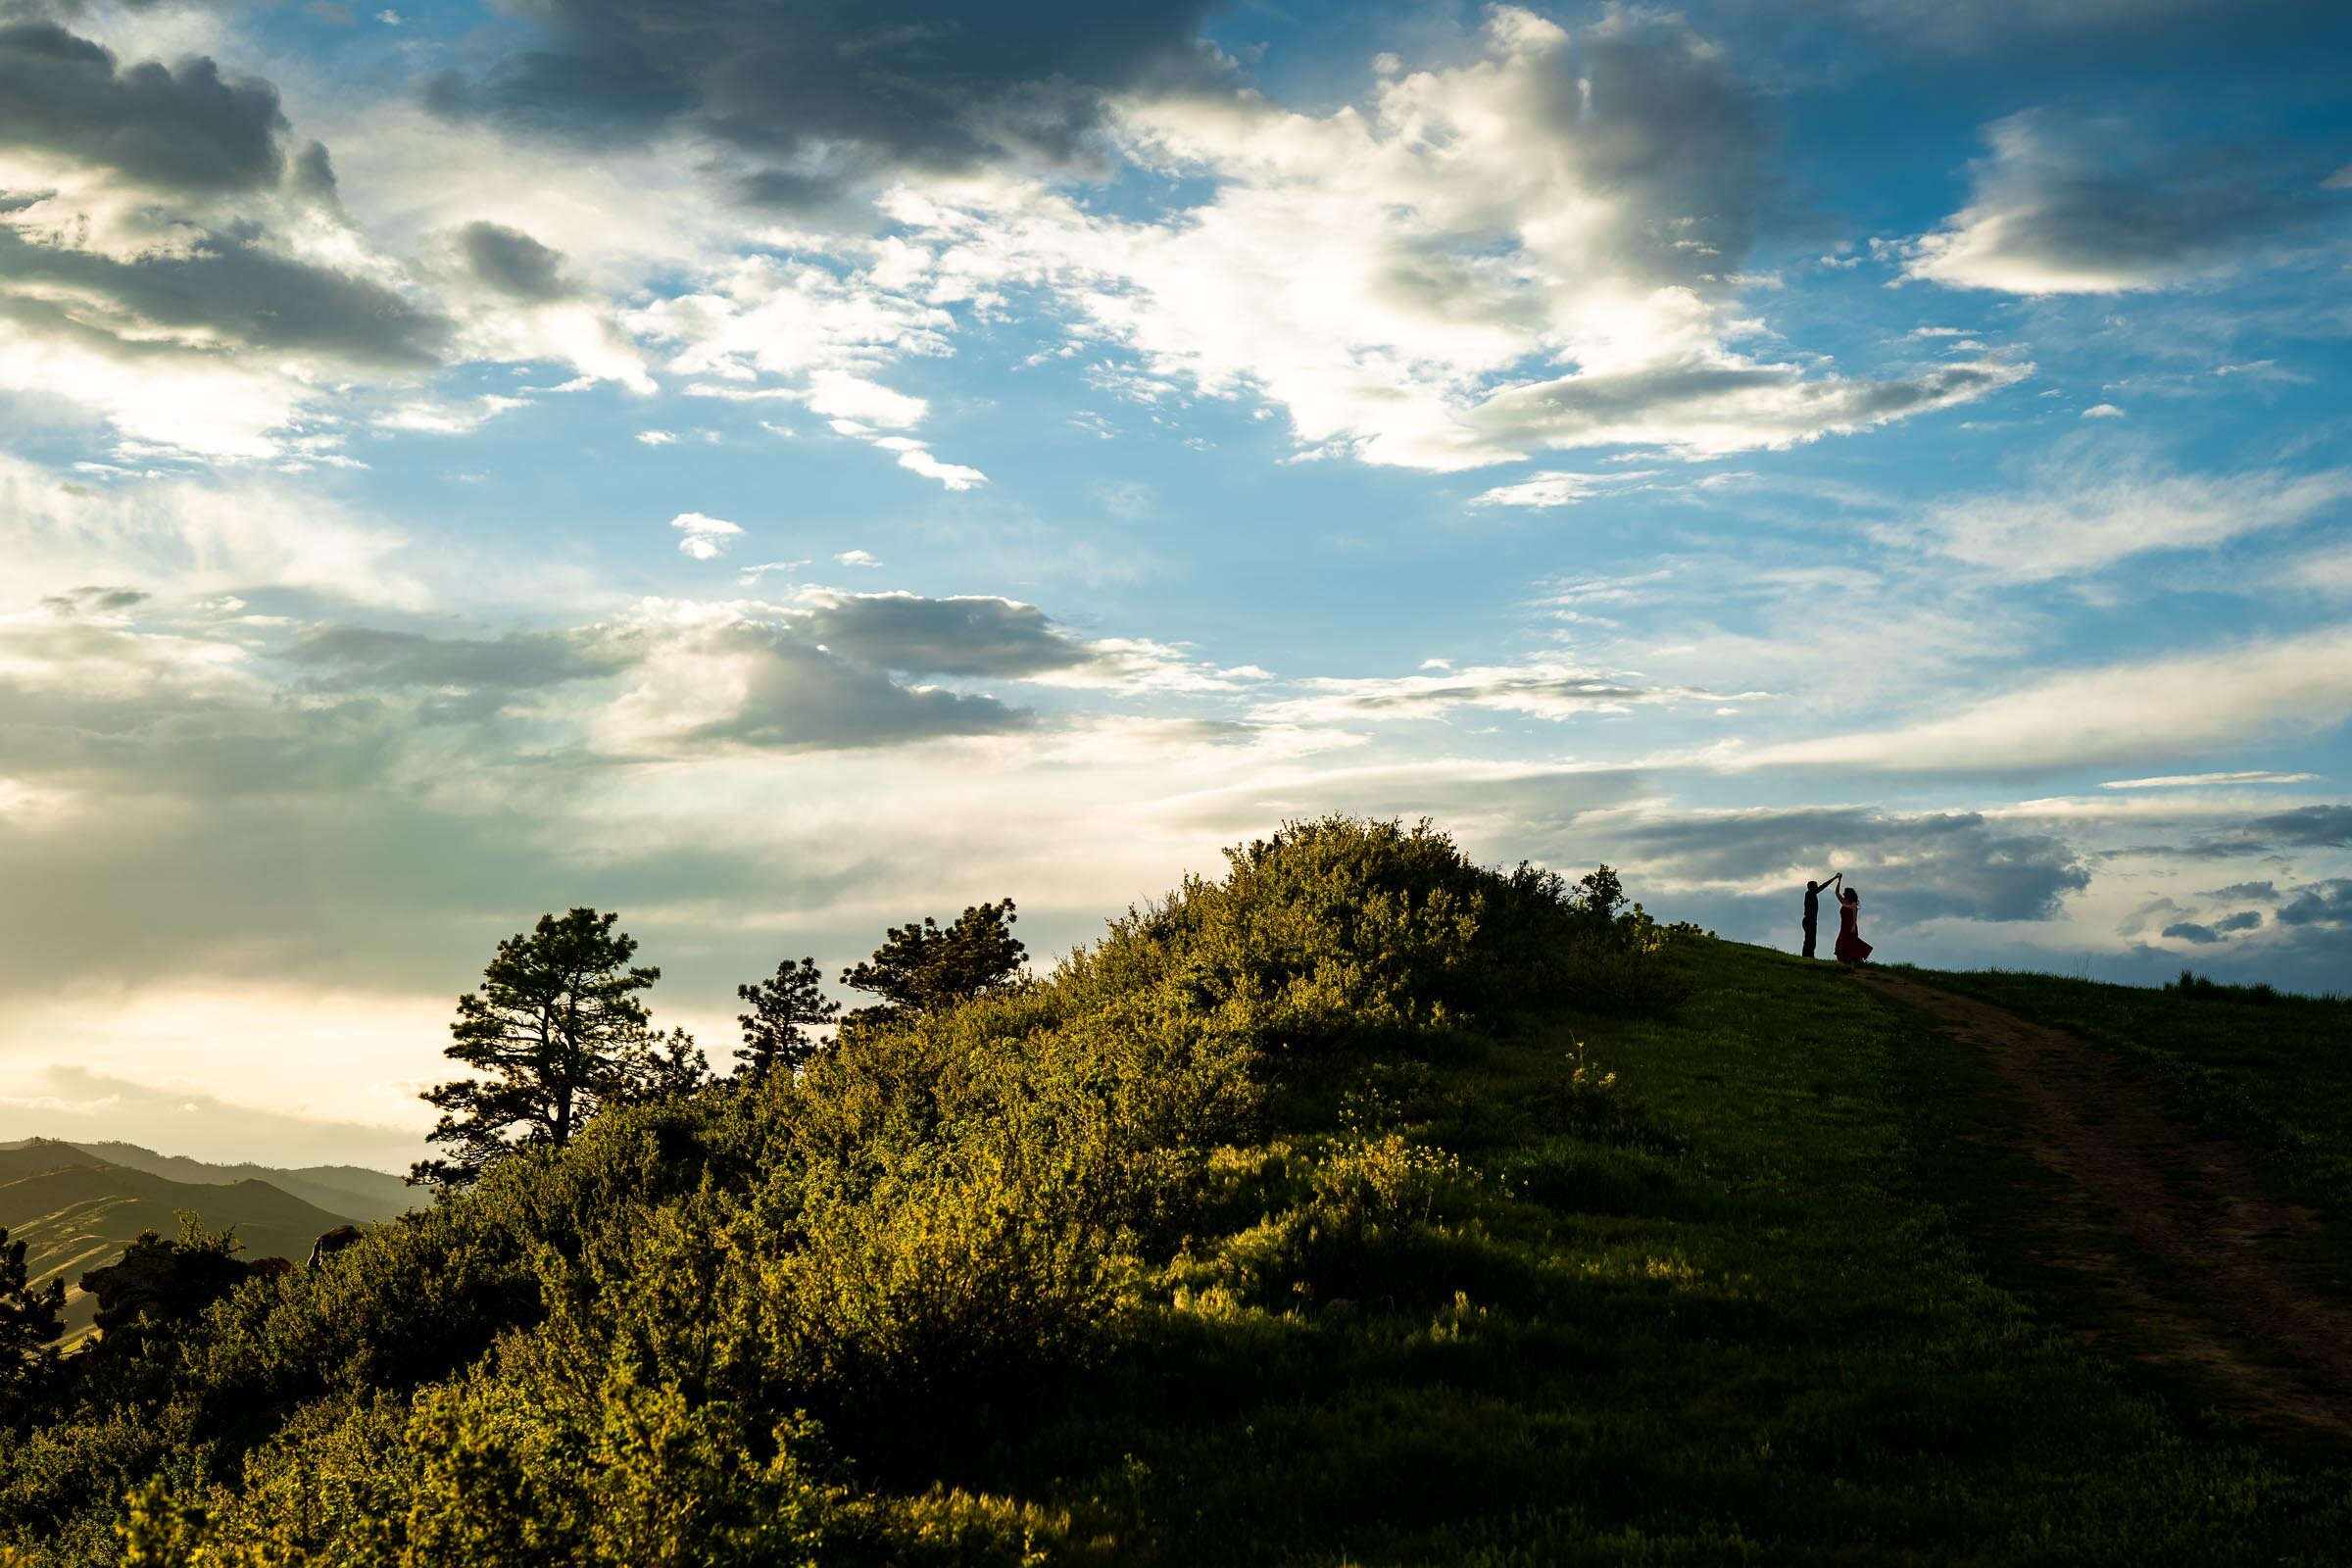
(1361, 1206)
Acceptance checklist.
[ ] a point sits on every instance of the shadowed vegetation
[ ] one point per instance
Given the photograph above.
(1359, 1206)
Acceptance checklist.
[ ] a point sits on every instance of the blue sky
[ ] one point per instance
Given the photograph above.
(779, 471)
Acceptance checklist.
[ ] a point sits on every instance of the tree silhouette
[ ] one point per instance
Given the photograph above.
(784, 1008)
(555, 1034)
(919, 967)
(158, 1285)
(30, 1321)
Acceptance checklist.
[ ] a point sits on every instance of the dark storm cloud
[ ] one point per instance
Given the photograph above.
(231, 289)
(2306, 827)
(515, 264)
(1955, 865)
(2325, 905)
(809, 88)
(2208, 933)
(958, 636)
(369, 657)
(2309, 826)
(2268, 891)
(184, 128)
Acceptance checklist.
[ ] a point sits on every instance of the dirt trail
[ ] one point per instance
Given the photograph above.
(2167, 1229)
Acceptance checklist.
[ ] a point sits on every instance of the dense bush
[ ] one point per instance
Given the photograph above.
(642, 1347)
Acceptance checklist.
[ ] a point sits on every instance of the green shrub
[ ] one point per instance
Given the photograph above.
(621, 1350)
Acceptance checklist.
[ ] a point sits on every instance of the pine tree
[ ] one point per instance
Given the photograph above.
(785, 1007)
(30, 1321)
(556, 1032)
(919, 967)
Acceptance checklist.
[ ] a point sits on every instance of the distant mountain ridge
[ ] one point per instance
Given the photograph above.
(353, 1189)
(76, 1206)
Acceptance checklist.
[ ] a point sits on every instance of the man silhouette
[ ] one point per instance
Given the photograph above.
(1813, 911)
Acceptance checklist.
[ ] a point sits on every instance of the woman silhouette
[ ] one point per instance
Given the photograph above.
(1851, 949)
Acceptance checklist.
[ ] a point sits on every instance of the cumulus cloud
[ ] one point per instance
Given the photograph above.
(1538, 250)
(2062, 207)
(178, 129)
(825, 331)
(959, 636)
(221, 292)
(169, 263)
(706, 538)
(714, 677)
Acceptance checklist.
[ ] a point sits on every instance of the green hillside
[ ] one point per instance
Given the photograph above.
(76, 1212)
(372, 1195)
(1360, 1207)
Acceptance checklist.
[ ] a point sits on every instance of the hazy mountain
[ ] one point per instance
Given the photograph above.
(353, 1189)
(76, 1210)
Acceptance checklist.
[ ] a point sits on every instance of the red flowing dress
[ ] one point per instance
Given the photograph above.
(1851, 949)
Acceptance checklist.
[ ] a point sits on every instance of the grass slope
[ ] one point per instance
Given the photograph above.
(2275, 1073)
(1734, 1326)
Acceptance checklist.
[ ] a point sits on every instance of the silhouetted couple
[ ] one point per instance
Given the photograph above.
(1850, 947)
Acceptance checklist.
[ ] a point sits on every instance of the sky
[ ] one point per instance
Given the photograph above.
(778, 470)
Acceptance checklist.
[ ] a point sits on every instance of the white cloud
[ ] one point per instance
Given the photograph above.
(1530, 252)
(706, 538)
(1541, 689)
(915, 457)
(824, 328)
(439, 417)
(2185, 781)
(1556, 488)
(187, 539)
(2086, 513)
(657, 438)
(2175, 705)
(851, 397)
(2102, 410)
(857, 558)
